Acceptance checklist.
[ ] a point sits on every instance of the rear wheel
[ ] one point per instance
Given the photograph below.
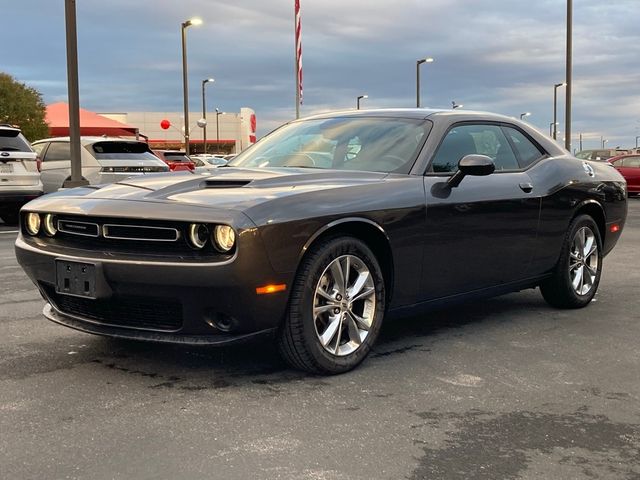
(336, 308)
(576, 277)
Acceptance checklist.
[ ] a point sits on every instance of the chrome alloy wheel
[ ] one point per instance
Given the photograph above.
(344, 305)
(583, 261)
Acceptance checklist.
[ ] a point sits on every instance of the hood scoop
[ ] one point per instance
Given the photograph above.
(225, 183)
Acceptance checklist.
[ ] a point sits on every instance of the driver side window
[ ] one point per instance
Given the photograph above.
(465, 140)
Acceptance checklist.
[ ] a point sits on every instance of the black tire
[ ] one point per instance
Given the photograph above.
(298, 341)
(558, 290)
(10, 217)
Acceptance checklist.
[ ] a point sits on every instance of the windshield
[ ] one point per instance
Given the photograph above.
(13, 141)
(122, 151)
(358, 143)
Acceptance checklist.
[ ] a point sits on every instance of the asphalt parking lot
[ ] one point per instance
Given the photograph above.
(501, 389)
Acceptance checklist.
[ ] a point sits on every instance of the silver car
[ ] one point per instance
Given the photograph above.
(104, 160)
(18, 184)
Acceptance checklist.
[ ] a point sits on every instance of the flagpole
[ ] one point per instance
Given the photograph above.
(297, 61)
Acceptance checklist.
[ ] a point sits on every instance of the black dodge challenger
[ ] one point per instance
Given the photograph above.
(322, 229)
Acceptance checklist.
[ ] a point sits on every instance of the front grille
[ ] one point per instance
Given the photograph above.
(146, 313)
(140, 233)
(150, 239)
(75, 227)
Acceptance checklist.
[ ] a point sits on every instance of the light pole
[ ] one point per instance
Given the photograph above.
(568, 76)
(204, 114)
(218, 113)
(455, 105)
(185, 85)
(418, 63)
(552, 127)
(76, 179)
(555, 106)
(638, 137)
(525, 114)
(603, 140)
(360, 97)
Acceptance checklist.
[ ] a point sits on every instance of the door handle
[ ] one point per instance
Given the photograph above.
(526, 187)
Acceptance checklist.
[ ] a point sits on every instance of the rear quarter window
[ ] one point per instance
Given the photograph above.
(527, 151)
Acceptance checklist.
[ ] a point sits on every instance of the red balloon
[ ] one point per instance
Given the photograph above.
(165, 124)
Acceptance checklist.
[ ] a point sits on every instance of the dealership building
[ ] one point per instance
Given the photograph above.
(228, 132)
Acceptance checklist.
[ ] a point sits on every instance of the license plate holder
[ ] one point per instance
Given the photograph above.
(6, 168)
(77, 279)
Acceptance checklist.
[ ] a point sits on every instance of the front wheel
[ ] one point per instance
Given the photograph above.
(576, 277)
(336, 308)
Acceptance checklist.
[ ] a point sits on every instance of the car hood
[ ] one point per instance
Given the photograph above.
(228, 188)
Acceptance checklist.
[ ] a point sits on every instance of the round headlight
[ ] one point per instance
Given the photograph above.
(33, 223)
(49, 225)
(224, 238)
(197, 234)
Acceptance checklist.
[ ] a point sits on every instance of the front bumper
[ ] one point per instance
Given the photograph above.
(162, 301)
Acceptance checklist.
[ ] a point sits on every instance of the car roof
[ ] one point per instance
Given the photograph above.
(6, 126)
(618, 157)
(89, 140)
(419, 113)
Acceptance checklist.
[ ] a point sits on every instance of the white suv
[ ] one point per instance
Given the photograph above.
(18, 184)
(104, 160)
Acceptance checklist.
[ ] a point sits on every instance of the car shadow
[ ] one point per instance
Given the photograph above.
(257, 362)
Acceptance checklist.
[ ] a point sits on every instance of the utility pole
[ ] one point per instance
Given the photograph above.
(569, 76)
(76, 179)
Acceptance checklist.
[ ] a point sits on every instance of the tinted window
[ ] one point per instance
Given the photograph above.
(121, 151)
(13, 141)
(58, 151)
(527, 150)
(365, 143)
(474, 139)
(630, 162)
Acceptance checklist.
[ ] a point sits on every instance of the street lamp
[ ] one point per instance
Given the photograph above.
(552, 128)
(555, 106)
(455, 105)
(185, 86)
(603, 140)
(638, 137)
(218, 113)
(204, 114)
(358, 100)
(525, 114)
(418, 63)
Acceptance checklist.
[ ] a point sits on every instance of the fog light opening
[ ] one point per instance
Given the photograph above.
(220, 321)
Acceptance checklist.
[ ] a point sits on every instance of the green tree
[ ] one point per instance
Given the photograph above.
(23, 106)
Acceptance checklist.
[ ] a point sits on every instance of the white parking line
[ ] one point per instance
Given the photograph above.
(9, 231)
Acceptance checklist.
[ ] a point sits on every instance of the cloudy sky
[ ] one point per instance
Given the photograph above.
(496, 55)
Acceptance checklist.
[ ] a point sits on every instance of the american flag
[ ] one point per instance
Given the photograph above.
(298, 52)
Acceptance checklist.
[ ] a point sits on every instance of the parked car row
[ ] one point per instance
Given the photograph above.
(27, 171)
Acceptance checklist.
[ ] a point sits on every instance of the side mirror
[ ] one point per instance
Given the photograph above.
(476, 165)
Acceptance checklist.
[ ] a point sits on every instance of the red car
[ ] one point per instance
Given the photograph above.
(629, 168)
(175, 159)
